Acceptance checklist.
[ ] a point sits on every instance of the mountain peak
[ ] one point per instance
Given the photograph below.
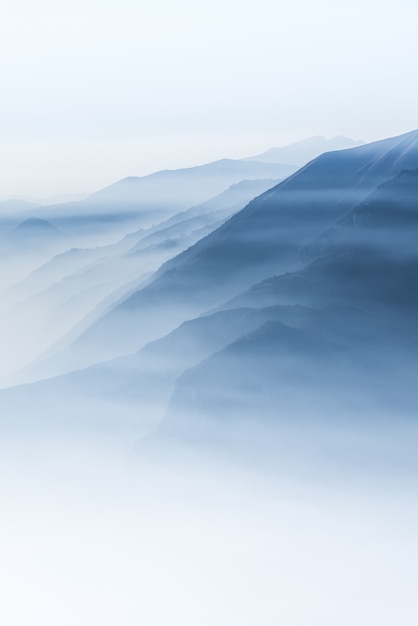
(35, 227)
(35, 222)
(305, 150)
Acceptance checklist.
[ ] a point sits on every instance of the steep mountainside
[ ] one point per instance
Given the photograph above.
(358, 352)
(311, 313)
(270, 236)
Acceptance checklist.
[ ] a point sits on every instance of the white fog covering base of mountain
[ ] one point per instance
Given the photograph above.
(208, 395)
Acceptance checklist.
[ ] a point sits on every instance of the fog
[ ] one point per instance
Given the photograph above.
(92, 534)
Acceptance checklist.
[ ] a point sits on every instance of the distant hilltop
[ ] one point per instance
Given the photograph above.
(303, 151)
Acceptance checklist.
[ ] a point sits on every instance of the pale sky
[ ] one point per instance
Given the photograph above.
(96, 90)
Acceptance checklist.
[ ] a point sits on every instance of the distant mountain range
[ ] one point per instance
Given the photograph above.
(143, 201)
(136, 202)
(302, 302)
(271, 235)
(302, 152)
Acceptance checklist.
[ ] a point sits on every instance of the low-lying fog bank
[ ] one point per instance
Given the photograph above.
(227, 532)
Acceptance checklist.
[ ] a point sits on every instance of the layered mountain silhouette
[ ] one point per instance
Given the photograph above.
(143, 201)
(303, 302)
(272, 235)
(357, 353)
(32, 235)
(301, 152)
(77, 286)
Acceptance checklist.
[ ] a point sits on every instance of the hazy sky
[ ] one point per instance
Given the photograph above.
(96, 90)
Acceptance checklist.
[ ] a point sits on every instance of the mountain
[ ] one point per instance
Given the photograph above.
(173, 190)
(33, 234)
(304, 151)
(35, 227)
(300, 307)
(356, 355)
(269, 236)
(79, 285)
(9, 213)
(204, 216)
(133, 392)
(325, 337)
(140, 202)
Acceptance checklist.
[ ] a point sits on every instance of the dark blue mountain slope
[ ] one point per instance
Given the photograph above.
(332, 333)
(351, 365)
(360, 357)
(267, 237)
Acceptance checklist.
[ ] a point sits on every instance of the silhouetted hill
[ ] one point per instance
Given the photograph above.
(304, 303)
(147, 200)
(301, 152)
(358, 355)
(267, 237)
(32, 235)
